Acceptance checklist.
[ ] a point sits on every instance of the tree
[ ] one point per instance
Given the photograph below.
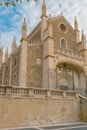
(12, 2)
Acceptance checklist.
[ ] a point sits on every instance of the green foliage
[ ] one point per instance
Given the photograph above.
(12, 2)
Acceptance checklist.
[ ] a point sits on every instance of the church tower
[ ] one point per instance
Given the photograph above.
(23, 56)
(48, 50)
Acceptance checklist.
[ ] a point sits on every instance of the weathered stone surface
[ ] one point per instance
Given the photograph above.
(34, 111)
(34, 70)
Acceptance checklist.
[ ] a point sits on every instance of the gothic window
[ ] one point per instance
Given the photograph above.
(63, 44)
(63, 27)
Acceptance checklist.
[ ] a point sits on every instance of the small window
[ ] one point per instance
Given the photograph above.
(63, 44)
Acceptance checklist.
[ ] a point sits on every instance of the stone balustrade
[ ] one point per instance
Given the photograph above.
(35, 93)
(83, 100)
(70, 54)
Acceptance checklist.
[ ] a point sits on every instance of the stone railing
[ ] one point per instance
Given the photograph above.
(35, 92)
(83, 100)
(70, 54)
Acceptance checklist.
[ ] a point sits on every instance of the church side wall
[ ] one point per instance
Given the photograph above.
(6, 72)
(9, 71)
(1, 74)
(34, 70)
(15, 68)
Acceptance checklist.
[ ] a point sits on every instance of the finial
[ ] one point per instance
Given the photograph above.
(83, 40)
(6, 54)
(43, 8)
(14, 45)
(83, 36)
(76, 23)
(14, 40)
(49, 15)
(24, 20)
(24, 29)
(43, 1)
(24, 23)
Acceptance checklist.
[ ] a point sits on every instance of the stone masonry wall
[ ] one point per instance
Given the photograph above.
(83, 108)
(34, 73)
(15, 68)
(69, 35)
(37, 111)
(6, 72)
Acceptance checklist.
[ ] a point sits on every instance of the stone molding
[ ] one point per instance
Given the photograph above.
(15, 92)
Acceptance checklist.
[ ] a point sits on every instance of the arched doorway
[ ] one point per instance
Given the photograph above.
(64, 81)
(63, 84)
(68, 76)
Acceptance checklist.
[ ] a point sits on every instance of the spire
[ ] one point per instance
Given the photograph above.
(1, 55)
(83, 36)
(24, 29)
(24, 23)
(43, 8)
(83, 39)
(76, 24)
(14, 40)
(14, 45)
(6, 54)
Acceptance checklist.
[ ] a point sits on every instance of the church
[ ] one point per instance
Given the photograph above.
(52, 56)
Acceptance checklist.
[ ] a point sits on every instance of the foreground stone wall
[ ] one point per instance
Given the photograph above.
(23, 107)
(83, 108)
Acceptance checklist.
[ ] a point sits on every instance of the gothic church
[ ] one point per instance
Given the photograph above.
(52, 56)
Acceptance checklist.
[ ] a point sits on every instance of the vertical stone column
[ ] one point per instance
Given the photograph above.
(23, 64)
(10, 73)
(48, 58)
(76, 81)
(3, 74)
(82, 83)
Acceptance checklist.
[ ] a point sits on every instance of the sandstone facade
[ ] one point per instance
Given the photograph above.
(52, 56)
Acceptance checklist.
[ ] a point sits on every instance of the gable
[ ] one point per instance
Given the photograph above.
(63, 30)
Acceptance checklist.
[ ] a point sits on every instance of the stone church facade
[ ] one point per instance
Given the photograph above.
(52, 56)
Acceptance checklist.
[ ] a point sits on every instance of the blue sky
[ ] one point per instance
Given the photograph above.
(11, 18)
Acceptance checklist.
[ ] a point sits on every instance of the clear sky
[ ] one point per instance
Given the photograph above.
(11, 18)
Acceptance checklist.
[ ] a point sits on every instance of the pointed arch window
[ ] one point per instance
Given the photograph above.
(63, 44)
